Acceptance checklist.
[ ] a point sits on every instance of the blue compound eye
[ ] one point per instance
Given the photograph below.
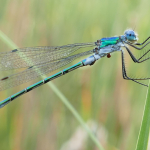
(130, 35)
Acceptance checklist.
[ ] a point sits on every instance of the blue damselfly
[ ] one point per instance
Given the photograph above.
(42, 60)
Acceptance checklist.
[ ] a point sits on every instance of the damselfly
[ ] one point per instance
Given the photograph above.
(42, 60)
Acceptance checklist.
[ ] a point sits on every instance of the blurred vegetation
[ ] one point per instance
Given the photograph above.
(38, 120)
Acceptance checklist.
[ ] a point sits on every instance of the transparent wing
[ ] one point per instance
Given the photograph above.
(35, 71)
(32, 56)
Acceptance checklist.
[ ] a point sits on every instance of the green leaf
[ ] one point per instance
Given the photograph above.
(144, 130)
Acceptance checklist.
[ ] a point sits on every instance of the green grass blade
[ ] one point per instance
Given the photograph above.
(6, 40)
(60, 95)
(144, 131)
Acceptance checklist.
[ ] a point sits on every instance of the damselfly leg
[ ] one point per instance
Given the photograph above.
(142, 42)
(135, 59)
(124, 73)
(138, 48)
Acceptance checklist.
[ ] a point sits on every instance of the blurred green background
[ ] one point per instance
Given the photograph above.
(112, 106)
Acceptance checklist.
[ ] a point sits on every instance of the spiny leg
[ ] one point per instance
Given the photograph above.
(138, 48)
(124, 73)
(142, 42)
(135, 59)
(139, 43)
